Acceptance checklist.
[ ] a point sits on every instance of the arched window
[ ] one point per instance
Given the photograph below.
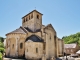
(21, 45)
(54, 37)
(55, 40)
(36, 50)
(37, 16)
(31, 16)
(23, 20)
(50, 36)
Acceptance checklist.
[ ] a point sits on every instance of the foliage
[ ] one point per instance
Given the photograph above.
(1, 39)
(0, 56)
(2, 50)
(1, 45)
(74, 38)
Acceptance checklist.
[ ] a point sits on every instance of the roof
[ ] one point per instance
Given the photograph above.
(38, 30)
(34, 38)
(70, 45)
(50, 25)
(19, 30)
(78, 52)
(31, 12)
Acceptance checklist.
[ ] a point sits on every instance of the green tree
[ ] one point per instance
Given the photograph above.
(1, 39)
(73, 38)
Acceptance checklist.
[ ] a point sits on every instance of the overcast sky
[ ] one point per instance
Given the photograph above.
(64, 15)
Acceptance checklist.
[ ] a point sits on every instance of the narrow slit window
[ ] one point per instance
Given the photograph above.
(50, 36)
(54, 37)
(26, 19)
(36, 50)
(44, 46)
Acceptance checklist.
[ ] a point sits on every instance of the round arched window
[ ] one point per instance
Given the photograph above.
(21, 45)
(37, 16)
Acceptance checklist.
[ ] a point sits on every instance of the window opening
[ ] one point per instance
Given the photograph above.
(21, 45)
(37, 16)
(36, 50)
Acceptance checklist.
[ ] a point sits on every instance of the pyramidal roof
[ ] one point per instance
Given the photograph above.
(31, 12)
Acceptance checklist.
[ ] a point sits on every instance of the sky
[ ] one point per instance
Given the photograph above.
(64, 15)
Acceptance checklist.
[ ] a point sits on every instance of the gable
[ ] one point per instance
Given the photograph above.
(50, 27)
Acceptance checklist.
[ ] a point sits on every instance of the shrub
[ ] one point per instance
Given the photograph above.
(0, 56)
(2, 50)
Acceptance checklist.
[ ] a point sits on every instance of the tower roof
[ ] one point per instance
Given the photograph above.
(31, 12)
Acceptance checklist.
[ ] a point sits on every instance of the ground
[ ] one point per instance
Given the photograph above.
(69, 58)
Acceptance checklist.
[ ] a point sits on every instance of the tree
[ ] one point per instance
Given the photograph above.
(73, 38)
(1, 39)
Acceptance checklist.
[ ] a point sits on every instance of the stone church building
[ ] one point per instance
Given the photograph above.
(33, 40)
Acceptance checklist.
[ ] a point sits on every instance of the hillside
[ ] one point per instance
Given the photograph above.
(74, 38)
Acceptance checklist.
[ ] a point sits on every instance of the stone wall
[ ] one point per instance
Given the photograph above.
(13, 44)
(33, 50)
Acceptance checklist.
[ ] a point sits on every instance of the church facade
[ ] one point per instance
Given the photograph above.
(33, 40)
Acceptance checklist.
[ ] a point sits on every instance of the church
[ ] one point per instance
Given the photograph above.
(33, 40)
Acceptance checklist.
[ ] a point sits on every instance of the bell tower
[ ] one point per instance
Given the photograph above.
(32, 20)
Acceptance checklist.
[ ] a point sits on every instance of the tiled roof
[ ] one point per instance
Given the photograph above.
(34, 38)
(31, 12)
(28, 29)
(38, 30)
(19, 30)
(70, 45)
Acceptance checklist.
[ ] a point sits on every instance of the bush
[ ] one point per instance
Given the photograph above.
(0, 56)
(1, 44)
(2, 50)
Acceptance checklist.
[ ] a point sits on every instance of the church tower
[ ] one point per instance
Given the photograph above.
(32, 20)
